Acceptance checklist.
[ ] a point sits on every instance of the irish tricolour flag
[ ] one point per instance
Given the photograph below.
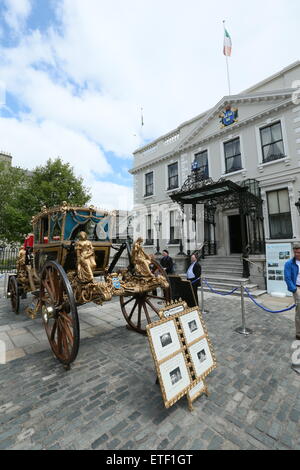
(227, 44)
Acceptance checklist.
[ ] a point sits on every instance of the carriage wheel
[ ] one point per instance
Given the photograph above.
(59, 313)
(141, 309)
(13, 290)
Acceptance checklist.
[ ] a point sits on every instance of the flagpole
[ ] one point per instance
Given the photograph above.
(227, 65)
(142, 121)
(228, 76)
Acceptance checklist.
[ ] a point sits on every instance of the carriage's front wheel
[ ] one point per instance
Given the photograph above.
(140, 310)
(59, 313)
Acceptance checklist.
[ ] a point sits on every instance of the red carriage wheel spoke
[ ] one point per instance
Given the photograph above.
(53, 331)
(59, 338)
(147, 314)
(67, 329)
(152, 306)
(128, 301)
(139, 316)
(49, 291)
(132, 311)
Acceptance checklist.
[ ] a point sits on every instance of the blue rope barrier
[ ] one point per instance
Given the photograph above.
(267, 309)
(220, 293)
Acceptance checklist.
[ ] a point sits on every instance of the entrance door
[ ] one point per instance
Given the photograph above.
(235, 234)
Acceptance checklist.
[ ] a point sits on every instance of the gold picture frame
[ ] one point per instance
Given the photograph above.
(174, 308)
(167, 367)
(183, 359)
(195, 392)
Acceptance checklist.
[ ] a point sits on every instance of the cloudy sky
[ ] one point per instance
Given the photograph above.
(77, 73)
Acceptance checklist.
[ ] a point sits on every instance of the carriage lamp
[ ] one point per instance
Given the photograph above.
(298, 205)
(157, 225)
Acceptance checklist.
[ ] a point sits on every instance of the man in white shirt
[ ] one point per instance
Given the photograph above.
(193, 274)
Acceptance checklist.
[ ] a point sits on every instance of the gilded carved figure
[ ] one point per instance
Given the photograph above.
(141, 260)
(86, 262)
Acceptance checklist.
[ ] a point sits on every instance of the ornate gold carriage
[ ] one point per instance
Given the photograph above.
(65, 264)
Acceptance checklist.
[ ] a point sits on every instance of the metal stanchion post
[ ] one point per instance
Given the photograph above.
(202, 297)
(243, 330)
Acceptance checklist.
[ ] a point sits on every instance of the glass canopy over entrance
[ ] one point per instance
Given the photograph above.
(226, 195)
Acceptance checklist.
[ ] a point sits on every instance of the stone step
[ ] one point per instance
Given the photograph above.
(234, 280)
(222, 265)
(230, 272)
(221, 260)
(233, 257)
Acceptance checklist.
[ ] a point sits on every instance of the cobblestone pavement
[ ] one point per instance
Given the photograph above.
(109, 399)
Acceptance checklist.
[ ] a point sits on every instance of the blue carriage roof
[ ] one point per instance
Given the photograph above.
(76, 216)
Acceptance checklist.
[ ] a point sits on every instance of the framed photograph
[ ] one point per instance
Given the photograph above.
(173, 309)
(175, 379)
(164, 339)
(191, 326)
(202, 358)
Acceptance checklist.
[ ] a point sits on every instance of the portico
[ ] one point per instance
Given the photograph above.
(233, 216)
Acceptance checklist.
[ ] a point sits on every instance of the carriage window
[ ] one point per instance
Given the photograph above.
(45, 230)
(89, 228)
(55, 230)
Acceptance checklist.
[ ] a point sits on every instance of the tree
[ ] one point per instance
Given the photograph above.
(13, 181)
(47, 185)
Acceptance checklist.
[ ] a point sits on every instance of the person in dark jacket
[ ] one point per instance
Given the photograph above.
(292, 279)
(167, 263)
(193, 274)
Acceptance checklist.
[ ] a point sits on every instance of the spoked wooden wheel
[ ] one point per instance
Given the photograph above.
(59, 313)
(13, 291)
(141, 309)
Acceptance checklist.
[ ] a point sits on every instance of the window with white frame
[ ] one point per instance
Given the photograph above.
(173, 177)
(149, 230)
(280, 219)
(149, 184)
(233, 157)
(272, 142)
(173, 234)
(201, 163)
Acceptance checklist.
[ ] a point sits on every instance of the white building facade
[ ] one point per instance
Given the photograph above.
(251, 140)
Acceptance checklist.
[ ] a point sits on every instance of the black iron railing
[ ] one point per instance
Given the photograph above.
(8, 259)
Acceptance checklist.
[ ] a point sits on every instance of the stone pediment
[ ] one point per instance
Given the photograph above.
(243, 108)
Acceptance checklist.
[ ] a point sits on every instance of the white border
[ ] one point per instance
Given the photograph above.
(184, 322)
(172, 391)
(160, 330)
(201, 368)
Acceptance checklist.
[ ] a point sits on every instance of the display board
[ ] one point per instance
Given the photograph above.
(182, 353)
(277, 255)
(182, 289)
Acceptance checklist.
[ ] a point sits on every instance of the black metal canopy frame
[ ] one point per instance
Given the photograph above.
(226, 194)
